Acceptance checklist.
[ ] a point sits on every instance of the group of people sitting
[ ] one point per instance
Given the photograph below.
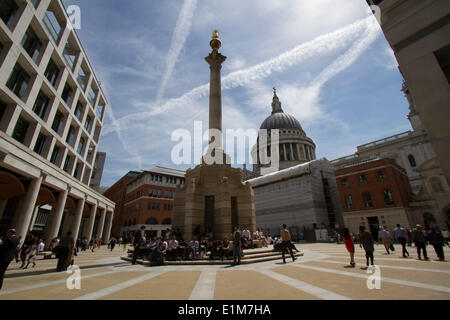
(172, 246)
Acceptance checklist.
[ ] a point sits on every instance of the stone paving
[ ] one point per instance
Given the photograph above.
(319, 274)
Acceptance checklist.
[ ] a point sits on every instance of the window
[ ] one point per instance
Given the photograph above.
(367, 200)
(18, 81)
(32, 44)
(35, 3)
(81, 146)
(58, 121)
(79, 111)
(41, 104)
(149, 205)
(388, 197)
(39, 146)
(362, 178)
(70, 55)
(66, 164)
(71, 136)
(344, 182)
(167, 221)
(87, 124)
(349, 202)
(91, 96)
(82, 78)
(77, 168)
(2, 110)
(381, 175)
(55, 154)
(412, 160)
(52, 25)
(100, 113)
(52, 72)
(20, 130)
(67, 94)
(8, 10)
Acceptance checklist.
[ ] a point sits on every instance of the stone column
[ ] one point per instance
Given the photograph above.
(108, 226)
(90, 226)
(215, 60)
(77, 219)
(101, 224)
(51, 231)
(284, 150)
(26, 213)
(292, 152)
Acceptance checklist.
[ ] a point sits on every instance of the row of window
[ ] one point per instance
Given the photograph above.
(148, 221)
(381, 175)
(157, 206)
(171, 180)
(367, 199)
(33, 45)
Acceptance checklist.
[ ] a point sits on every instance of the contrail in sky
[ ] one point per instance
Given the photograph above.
(325, 43)
(179, 36)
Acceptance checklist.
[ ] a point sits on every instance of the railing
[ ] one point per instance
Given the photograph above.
(384, 140)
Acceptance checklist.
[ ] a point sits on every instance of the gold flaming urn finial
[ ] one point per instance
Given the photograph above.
(215, 42)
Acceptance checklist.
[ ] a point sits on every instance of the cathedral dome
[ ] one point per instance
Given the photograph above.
(279, 119)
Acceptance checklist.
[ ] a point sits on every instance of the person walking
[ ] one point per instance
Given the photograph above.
(112, 243)
(32, 253)
(400, 235)
(348, 241)
(137, 242)
(366, 241)
(419, 239)
(385, 237)
(65, 252)
(286, 243)
(7, 252)
(436, 239)
(236, 246)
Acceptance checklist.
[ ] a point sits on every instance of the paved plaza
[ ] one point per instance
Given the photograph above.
(319, 274)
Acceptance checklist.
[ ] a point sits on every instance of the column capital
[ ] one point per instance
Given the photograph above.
(215, 59)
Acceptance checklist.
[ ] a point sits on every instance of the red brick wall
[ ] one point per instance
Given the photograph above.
(395, 180)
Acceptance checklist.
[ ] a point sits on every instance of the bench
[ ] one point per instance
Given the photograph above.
(46, 254)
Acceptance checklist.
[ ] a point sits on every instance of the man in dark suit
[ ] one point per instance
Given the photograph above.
(236, 246)
(7, 252)
(137, 242)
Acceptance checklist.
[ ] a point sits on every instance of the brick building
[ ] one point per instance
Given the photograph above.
(374, 193)
(118, 193)
(145, 198)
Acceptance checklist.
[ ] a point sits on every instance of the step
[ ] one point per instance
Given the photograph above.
(218, 262)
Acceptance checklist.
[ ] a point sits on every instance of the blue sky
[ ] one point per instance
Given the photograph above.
(332, 69)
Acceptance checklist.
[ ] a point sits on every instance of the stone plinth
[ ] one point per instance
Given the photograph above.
(223, 183)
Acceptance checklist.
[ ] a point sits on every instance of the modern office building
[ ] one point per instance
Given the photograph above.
(51, 114)
(418, 32)
(145, 198)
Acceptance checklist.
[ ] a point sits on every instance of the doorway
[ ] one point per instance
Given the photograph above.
(374, 226)
(209, 213)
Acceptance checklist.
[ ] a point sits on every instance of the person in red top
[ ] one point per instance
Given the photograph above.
(348, 240)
